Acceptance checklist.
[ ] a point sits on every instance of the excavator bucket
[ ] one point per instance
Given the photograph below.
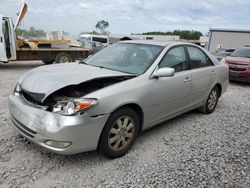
(21, 14)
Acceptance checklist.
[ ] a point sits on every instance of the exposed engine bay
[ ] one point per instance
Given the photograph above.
(76, 91)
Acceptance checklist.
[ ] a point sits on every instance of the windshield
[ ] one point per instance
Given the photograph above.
(241, 52)
(124, 57)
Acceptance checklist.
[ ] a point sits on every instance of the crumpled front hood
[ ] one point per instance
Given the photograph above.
(49, 78)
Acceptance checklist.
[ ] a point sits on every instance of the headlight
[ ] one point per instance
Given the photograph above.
(17, 88)
(73, 106)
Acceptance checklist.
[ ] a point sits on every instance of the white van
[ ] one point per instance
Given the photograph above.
(91, 38)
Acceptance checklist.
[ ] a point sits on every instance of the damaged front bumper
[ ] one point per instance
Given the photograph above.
(58, 133)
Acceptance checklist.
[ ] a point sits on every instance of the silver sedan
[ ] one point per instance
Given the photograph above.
(105, 101)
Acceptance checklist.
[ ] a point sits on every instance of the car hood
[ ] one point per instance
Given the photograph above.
(240, 60)
(49, 78)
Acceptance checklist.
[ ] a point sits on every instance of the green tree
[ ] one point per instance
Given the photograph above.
(102, 26)
(32, 31)
(177, 32)
(184, 34)
(89, 32)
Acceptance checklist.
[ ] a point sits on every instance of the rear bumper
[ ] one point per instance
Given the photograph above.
(38, 126)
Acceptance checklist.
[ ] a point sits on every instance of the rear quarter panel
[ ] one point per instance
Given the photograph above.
(222, 76)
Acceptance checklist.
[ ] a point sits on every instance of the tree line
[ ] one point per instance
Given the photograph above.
(31, 32)
(184, 34)
(102, 26)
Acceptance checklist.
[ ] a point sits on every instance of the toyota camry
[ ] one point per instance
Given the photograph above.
(105, 101)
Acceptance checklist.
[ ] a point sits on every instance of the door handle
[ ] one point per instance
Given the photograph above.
(187, 79)
(212, 73)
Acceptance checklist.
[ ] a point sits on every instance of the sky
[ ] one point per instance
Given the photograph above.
(131, 16)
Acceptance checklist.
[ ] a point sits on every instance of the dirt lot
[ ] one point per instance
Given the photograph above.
(193, 150)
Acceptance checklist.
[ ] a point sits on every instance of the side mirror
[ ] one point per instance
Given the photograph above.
(164, 72)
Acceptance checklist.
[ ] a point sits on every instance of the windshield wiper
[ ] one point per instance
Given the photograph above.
(99, 66)
(82, 62)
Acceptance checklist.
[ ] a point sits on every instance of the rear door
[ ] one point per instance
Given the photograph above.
(3, 56)
(203, 73)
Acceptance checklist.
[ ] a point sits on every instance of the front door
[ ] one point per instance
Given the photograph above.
(168, 96)
(3, 57)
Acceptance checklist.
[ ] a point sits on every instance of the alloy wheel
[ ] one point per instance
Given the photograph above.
(212, 100)
(121, 133)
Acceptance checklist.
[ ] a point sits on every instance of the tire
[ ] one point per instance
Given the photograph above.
(63, 58)
(48, 62)
(211, 102)
(119, 133)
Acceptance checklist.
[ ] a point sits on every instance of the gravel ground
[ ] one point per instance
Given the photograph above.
(193, 150)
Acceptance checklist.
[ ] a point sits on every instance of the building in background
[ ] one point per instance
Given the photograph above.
(61, 35)
(204, 41)
(227, 38)
(56, 35)
(119, 37)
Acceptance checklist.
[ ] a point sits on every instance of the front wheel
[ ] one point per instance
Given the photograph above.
(211, 102)
(119, 133)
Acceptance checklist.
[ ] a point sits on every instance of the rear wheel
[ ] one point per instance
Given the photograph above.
(119, 133)
(211, 102)
(63, 58)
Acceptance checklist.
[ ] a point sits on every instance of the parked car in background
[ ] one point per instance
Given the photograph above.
(218, 50)
(230, 50)
(106, 101)
(239, 64)
(104, 39)
(93, 46)
(221, 55)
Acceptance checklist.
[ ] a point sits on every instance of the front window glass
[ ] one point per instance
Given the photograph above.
(175, 58)
(241, 52)
(125, 57)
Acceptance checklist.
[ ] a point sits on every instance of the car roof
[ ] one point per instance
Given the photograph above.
(154, 42)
